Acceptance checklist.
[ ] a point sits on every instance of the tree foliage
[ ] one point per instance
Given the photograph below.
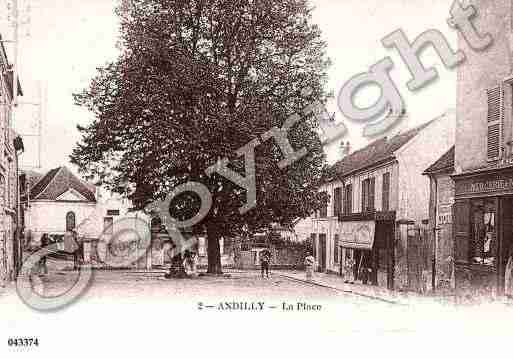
(194, 82)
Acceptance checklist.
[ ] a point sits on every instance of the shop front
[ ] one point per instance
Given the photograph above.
(483, 230)
(367, 242)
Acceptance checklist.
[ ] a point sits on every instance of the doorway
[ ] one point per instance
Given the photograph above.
(322, 252)
(505, 242)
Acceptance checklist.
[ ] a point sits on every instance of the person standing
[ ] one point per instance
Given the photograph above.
(45, 242)
(265, 260)
(309, 266)
(508, 287)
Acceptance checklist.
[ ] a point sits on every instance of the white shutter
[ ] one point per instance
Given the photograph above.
(494, 123)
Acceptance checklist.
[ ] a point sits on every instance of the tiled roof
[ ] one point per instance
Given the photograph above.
(58, 181)
(8, 77)
(376, 152)
(32, 177)
(446, 162)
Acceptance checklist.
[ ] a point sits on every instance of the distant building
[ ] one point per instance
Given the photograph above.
(376, 194)
(55, 202)
(58, 201)
(11, 146)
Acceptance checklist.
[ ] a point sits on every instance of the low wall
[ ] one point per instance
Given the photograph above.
(281, 258)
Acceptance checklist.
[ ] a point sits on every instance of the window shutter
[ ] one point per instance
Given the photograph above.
(335, 249)
(385, 192)
(350, 199)
(364, 189)
(461, 220)
(337, 201)
(494, 123)
(372, 192)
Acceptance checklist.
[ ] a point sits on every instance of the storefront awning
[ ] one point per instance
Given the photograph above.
(357, 235)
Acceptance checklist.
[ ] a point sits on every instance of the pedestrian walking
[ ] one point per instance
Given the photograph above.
(45, 242)
(309, 266)
(265, 260)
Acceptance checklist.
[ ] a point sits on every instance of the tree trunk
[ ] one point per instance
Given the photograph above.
(213, 251)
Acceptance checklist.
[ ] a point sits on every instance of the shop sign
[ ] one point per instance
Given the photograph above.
(358, 234)
(498, 183)
(444, 214)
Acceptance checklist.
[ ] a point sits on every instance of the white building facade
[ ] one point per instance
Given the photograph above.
(375, 193)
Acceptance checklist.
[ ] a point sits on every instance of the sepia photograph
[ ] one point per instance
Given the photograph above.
(256, 178)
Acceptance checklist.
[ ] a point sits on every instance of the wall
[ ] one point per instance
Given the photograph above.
(413, 158)
(50, 217)
(482, 70)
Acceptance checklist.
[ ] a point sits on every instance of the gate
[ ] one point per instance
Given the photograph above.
(418, 258)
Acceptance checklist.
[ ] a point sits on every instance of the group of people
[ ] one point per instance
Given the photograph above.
(190, 263)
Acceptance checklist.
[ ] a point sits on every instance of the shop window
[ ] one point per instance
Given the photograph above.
(475, 231)
(483, 244)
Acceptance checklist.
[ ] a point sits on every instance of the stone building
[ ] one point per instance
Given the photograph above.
(376, 194)
(483, 209)
(11, 147)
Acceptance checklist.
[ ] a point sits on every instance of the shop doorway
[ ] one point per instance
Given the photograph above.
(505, 249)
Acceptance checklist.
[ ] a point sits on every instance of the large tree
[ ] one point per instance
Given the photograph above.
(194, 82)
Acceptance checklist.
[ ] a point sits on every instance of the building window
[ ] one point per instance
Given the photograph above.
(108, 225)
(368, 194)
(385, 199)
(494, 123)
(483, 244)
(348, 199)
(323, 212)
(337, 201)
(335, 249)
(70, 221)
(475, 231)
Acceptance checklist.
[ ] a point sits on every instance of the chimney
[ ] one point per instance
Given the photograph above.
(345, 148)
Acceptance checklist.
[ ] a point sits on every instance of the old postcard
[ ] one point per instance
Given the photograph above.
(256, 178)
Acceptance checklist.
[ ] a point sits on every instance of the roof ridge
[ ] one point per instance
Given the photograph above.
(49, 181)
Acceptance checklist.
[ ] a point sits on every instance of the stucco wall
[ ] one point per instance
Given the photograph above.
(50, 216)
(480, 71)
(414, 158)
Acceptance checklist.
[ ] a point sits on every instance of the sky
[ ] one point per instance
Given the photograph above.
(65, 40)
